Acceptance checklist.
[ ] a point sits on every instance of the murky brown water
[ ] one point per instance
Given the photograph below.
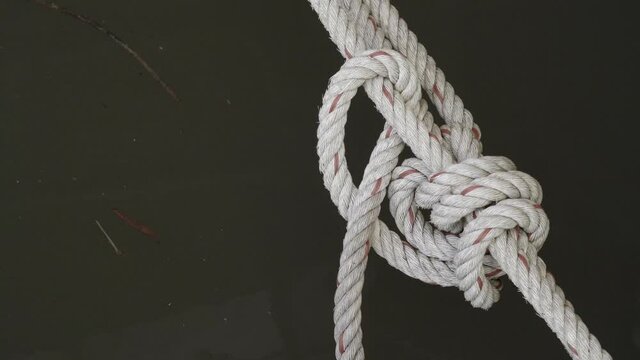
(248, 241)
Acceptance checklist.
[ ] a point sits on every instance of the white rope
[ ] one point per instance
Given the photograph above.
(485, 216)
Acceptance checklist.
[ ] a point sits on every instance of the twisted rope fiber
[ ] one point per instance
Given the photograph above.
(485, 216)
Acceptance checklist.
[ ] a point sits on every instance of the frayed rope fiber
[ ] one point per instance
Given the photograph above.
(486, 218)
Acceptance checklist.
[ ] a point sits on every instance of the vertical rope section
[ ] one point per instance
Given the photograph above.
(486, 218)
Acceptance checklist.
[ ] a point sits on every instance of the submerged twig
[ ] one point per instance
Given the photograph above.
(96, 25)
(118, 252)
(136, 224)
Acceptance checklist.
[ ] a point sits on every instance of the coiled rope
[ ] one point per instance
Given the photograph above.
(485, 216)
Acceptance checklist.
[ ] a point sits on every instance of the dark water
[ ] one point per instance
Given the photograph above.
(248, 239)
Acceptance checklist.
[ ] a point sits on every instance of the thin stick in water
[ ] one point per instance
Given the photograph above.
(118, 252)
(96, 25)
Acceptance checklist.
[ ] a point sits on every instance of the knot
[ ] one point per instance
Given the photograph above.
(474, 203)
(473, 200)
(456, 192)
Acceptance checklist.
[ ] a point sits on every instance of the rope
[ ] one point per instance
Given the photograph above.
(485, 216)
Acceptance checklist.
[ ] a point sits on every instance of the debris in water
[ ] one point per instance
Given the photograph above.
(118, 252)
(96, 25)
(136, 224)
